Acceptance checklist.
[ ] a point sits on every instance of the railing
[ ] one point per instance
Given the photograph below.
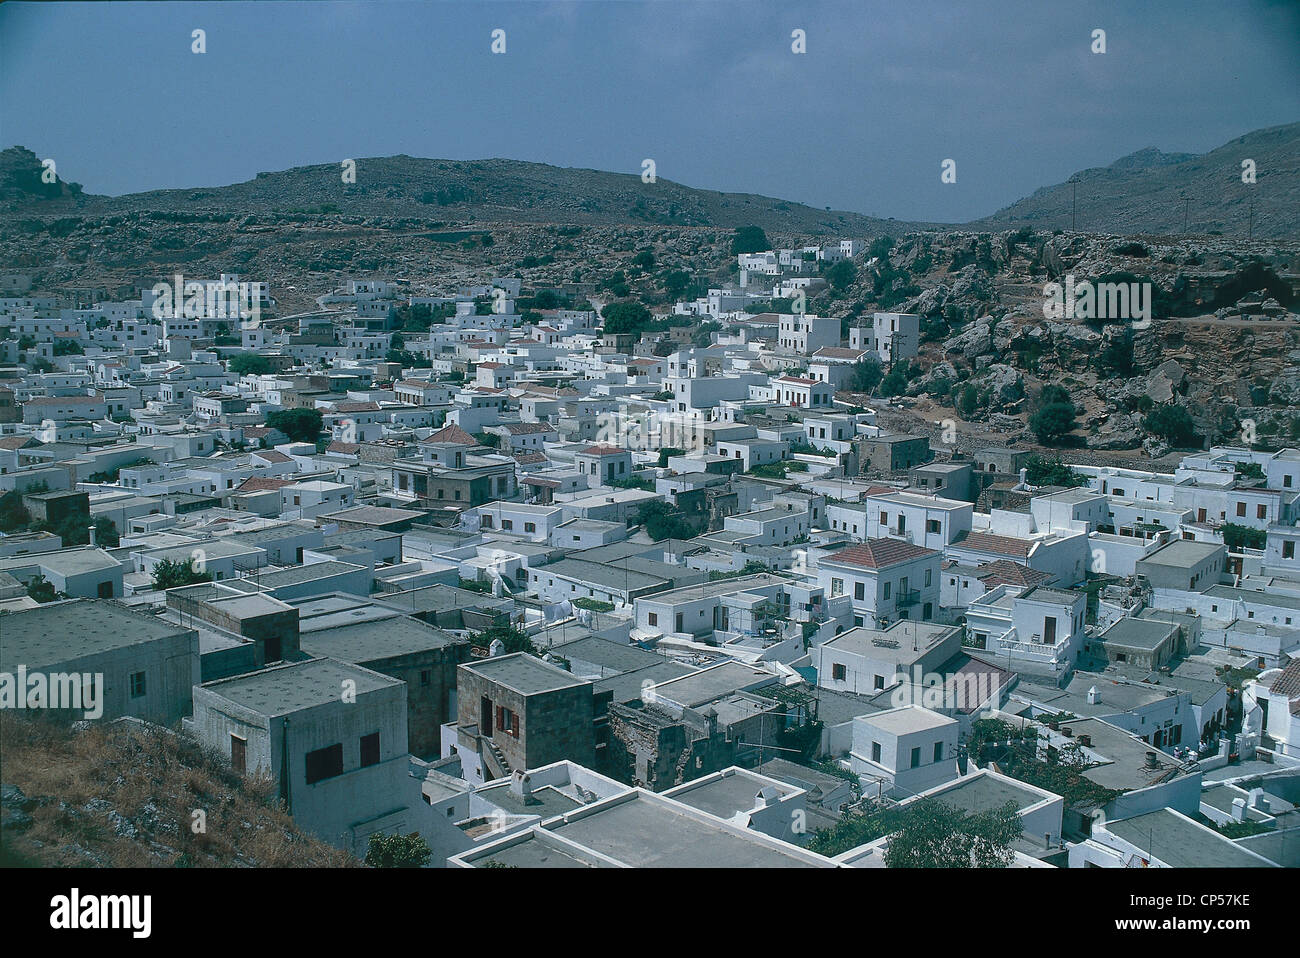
(910, 597)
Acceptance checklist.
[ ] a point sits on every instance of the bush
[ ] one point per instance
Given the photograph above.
(397, 851)
(1053, 423)
(749, 239)
(1172, 424)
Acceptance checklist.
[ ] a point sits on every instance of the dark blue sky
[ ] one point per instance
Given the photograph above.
(707, 88)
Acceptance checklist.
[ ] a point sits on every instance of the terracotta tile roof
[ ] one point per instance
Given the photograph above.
(1288, 683)
(989, 542)
(839, 352)
(453, 433)
(602, 451)
(879, 553)
(527, 428)
(530, 458)
(1006, 572)
(271, 455)
(262, 483)
(346, 448)
(798, 380)
(356, 407)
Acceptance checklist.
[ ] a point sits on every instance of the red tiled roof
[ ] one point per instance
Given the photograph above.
(839, 352)
(453, 433)
(530, 458)
(989, 542)
(602, 451)
(356, 407)
(1006, 572)
(527, 428)
(262, 483)
(799, 380)
(271, 455)
(1288, 683)
(879, 553)
(346, 448)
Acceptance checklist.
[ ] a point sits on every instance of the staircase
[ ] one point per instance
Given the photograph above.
(496, 763)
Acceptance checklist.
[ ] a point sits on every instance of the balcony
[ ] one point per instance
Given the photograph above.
(910, 597)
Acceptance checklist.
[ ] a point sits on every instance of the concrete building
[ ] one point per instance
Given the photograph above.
(903, 751)
(517, 712)
(141, 665)
(332, 736)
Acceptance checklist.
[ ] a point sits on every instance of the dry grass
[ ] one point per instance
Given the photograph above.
(125, 795)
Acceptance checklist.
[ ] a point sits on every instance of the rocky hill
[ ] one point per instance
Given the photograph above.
(1150, 192)
(474, 191)
(124, 795)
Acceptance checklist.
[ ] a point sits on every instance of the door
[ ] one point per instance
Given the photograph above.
(273, 653)
(485, 716)
(1049, 630)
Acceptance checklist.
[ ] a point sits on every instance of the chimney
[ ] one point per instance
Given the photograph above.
(521, 785)
(92, 535)
(1238, 809)
(1152, 761)
(1093, 696)
(1024, 478)
(1259, 800)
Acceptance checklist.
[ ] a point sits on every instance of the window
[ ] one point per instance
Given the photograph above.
(238, 754)
(1260, 511)
(426, 677)
(324, 763)
(916, 757)
(370, 749)
(878, 682)
(887, 586)
(1241, 508)
(838, 672)
(932, 525)
(928, 574)
(506, 524)
(859, 590)
(653, 618)
(507, 721)
(530, 527)
(875, 751)
(938, 751)
(137, 684)
(1288, 549)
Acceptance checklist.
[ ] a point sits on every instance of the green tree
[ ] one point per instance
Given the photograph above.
(397, 851)
(300, 425)
(1171, 423)
(250, 364)
(895, 382)
(168, 574)
(749, 239)
(1040, 471)
(512, 638)
(663, 521)
(866, 375)
(1053, 422)
(842, 275)
(1237, 537)
(39, 589)
(935, 835)
(625, 318)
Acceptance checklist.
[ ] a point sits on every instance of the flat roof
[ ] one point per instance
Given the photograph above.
(377, 639)
(1183, 553)
(903, 721)
(1144, 634)
(59, 631)
(284, 689)
(728, 792)
(644, 830)
(712, 683)
(1182, 843)
(902, 641)
(982, 792)
(524, 673)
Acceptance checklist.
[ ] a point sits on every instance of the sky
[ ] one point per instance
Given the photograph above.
(711, 90)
